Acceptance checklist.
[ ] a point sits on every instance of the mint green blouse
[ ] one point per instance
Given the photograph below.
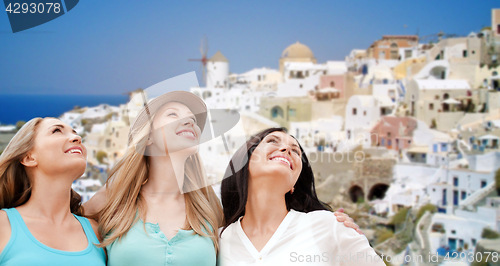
(151, 247)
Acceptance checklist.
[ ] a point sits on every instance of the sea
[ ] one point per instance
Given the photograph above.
(15, 108)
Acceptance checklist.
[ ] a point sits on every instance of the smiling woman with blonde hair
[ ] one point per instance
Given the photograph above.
(157, 208)
(40, 222)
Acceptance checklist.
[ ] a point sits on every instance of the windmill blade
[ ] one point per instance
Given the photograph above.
(201, 48)
(206, 46)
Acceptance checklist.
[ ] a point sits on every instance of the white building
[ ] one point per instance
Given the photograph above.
(100, 111)
(320, 132)
(86, 187)
(217, 71)
(258, 79)
(74, 120)
(362, 113)
(431, 147)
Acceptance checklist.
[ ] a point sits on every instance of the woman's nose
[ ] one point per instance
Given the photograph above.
(189, 121)
(76, 138)
(285, 148)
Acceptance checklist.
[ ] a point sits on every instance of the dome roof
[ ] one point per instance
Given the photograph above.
(297, 50)
(218, 57)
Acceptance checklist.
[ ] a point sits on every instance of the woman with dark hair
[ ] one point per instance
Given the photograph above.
(273, 215)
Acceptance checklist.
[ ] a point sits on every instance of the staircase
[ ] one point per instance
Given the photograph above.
(478, 195)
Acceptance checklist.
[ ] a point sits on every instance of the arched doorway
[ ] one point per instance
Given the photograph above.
(377, 191)
(277, 112)
(356, 194)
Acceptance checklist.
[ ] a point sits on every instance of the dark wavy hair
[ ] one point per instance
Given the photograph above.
(234, 187)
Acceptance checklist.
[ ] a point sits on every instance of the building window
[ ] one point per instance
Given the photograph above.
(354, 111)
(436, 97)
(455, 181)
(394, 54)
(407, 54)
(394, 51)
(301, 86)
(444, 203)
(258, 77)
(388, 134)
(453, 231)
(464, 195)
(292, 112)
(483, 183)
(473, 241)
(389, 142)
(443, 147)
(364, 113)
(473, 52)
(431, 106)
(108, 143)
(332, 84)
(465, 53)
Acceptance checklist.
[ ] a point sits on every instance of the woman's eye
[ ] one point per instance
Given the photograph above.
(272, 140)
(172, 114)
(297, 152)
(55, 130)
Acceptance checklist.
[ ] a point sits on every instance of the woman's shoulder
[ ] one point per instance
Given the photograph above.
(93, 225)
(320, 215)
(225, 232)
(5, 229)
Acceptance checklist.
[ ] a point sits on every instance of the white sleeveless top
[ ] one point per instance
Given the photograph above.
(314, 238)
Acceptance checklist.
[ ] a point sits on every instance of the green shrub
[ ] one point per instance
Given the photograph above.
(20, 124)
(100, 156)
(383, 234)
(427, 207)
(490, 234)
(399, 217)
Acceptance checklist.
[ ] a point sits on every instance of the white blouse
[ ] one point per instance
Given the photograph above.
(314, 238)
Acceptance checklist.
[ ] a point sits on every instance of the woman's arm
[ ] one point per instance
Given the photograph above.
(5, 231)
(95, 204)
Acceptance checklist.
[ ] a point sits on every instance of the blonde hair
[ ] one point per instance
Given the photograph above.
(15, 185)
(124, 198)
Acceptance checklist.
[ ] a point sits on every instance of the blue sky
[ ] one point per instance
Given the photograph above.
(111, 47)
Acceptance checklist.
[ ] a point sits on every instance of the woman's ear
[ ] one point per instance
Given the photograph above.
(29, 161)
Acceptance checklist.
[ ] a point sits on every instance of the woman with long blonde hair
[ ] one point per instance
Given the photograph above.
(157, 207)
(40, 220)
